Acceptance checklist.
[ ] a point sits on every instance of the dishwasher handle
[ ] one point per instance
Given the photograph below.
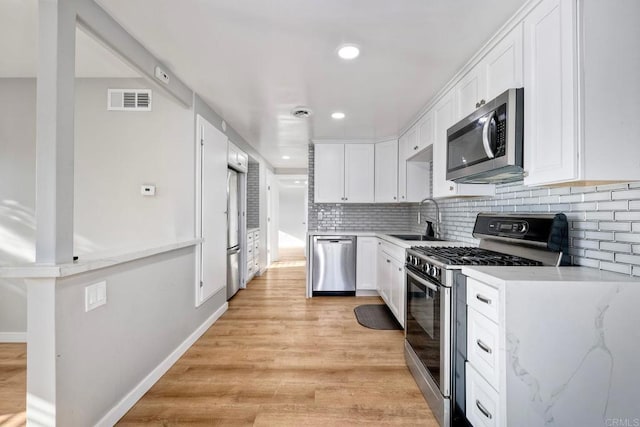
(325, 240)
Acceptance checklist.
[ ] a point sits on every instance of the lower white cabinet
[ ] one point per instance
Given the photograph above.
(366, 250)
(482, 400)
(253, 254)
(390, 278)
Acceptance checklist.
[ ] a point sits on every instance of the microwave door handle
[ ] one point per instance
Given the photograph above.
(485, 136)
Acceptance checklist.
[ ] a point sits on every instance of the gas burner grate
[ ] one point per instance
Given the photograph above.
(459, 255)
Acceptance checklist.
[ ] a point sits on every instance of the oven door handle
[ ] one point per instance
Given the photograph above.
(422, 281)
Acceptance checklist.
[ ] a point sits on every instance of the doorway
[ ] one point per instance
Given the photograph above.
(292, 226)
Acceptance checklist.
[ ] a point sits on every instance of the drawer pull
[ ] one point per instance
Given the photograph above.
(483, 410)
(484, 347)
(483, 299)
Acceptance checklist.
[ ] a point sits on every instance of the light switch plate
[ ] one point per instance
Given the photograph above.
(95, 295)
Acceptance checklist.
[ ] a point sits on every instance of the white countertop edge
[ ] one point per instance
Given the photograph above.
(501, 276)
(90, 263)
(406, 244)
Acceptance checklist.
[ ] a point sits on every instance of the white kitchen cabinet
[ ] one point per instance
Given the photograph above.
(499, 70)
(236, 158)
(581, 92)
(359, 164)
(366, 251)
(444, 117)
(386, 171)
(425, 132)
(344, 173)
(390, 278)
(414, 175)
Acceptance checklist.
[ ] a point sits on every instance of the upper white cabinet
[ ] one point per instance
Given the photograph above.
(444, 114)
(386, 171)
(499, 70)
(236, 158)
(403, 152)
(344, 173)
(581, 92)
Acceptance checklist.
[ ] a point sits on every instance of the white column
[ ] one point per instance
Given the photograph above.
(55, 131)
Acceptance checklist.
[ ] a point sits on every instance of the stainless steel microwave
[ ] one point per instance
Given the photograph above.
(486, 146)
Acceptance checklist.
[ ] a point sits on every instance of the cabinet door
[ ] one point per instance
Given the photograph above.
(503, 64)
(425, 132)
(383, 270)
(329, 173)
(403, 150)
(397, 291)
(444, 117)
(359, 164)
(386, 172)
(470, 92)
(366, 250)
(550, 149)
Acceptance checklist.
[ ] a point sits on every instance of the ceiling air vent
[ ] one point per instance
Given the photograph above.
(301, 112)
(129, 99)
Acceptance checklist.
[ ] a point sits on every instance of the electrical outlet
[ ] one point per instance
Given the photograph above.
(148, 190)
(95, 295)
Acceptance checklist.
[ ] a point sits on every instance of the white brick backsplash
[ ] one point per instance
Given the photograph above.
(598, 235)
(617, 268)
(586, 244)
(634, 205)
(613, 206)
(599, 215)
(588, 197)
(627, 216)
(615, 226)
(571, 198)
(560, 190)
(615, 247)
(616, 186)
(604, 256)
(628, 237)
(587, 206)
(635, 271)
(628, 259)
(584, 225)
(626, 195)
(586, 262)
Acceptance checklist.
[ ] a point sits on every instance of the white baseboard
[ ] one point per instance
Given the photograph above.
(143, 386)
(11, 337)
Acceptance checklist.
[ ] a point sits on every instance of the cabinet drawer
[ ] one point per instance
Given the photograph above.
(482, 406)
(483, 298)
(256, 235)
(483, 347)
(250, 238)
(250, 268)
(256, 244)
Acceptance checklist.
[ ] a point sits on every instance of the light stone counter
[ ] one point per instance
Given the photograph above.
(569, 345)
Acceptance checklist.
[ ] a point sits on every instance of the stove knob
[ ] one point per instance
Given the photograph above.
(435, 271)
(409, 258)
(425, 268)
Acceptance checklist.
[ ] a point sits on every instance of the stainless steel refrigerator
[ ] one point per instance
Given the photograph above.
(233, 233)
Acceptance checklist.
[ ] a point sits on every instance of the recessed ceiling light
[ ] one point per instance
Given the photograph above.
(286, 157)
(348, 51)
(296, 182)
(338, 115)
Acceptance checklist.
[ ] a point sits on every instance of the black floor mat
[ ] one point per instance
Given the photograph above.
(376, 316)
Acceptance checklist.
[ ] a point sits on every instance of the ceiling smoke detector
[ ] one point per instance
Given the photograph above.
(301, 112)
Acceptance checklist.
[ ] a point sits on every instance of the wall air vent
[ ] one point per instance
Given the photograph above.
(129, 99)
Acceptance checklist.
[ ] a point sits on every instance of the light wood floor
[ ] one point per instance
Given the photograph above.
(276, 358)
(13, 384)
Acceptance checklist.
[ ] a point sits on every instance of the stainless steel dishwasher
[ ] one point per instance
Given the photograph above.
(334, 265)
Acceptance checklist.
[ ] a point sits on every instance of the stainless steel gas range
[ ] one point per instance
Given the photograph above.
(435, 332)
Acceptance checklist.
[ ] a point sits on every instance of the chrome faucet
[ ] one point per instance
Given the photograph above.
(436, 220)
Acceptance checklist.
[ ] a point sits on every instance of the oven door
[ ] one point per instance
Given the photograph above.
(428, 326)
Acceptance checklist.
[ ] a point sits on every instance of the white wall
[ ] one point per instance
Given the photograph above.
(292, 228)
(115, 153)
(17, 196)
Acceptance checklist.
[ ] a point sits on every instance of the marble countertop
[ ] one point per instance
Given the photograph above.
(500, 276)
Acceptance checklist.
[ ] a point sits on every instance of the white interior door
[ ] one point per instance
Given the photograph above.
(212, 221)
(272, 218)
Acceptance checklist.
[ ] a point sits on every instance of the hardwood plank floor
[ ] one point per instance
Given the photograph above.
(278, 359)
(13, 384)
(275, 358)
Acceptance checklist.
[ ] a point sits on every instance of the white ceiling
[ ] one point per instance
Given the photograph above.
(254, 60)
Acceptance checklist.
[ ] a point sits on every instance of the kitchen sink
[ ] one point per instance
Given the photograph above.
(416, 237)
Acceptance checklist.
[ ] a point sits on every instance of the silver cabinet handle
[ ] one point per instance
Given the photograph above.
(483, 410)
(394, 197)
(389, 261)
(415, 148)
(483, 299)
(483, 346)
